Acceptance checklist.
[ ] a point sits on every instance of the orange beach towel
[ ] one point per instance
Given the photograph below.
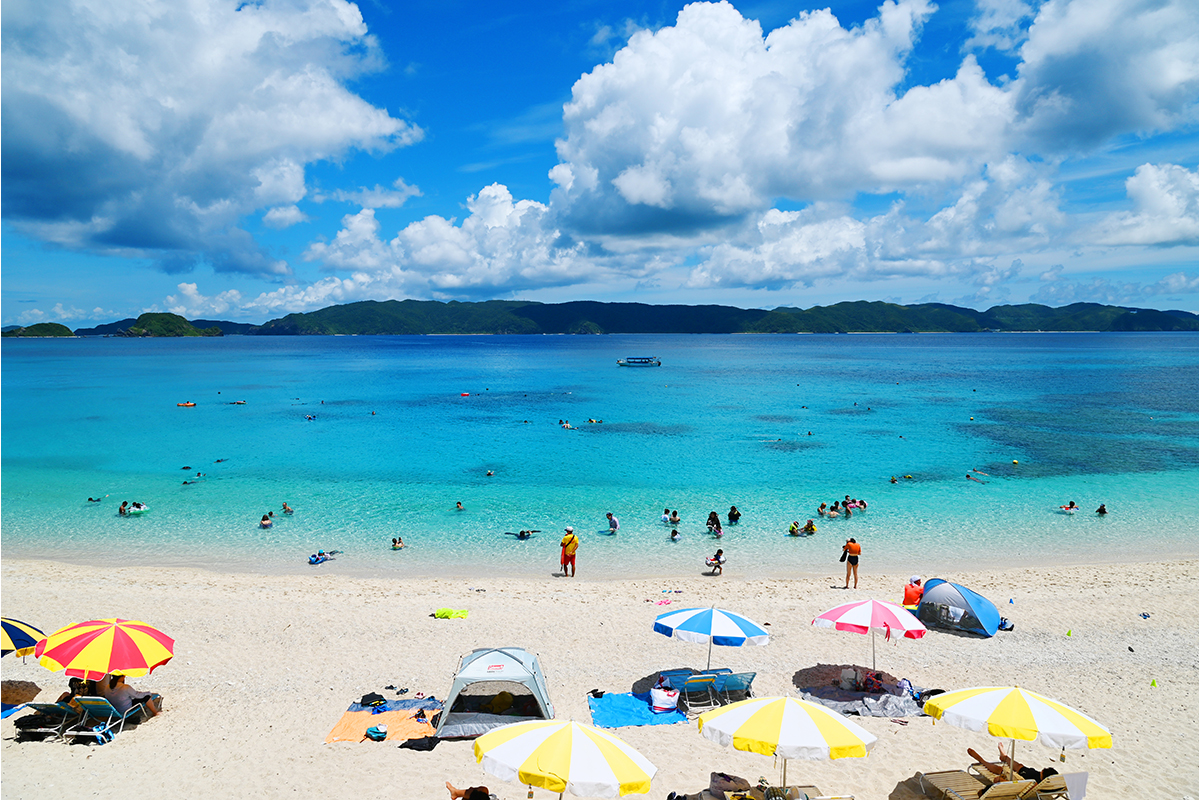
(401, 725)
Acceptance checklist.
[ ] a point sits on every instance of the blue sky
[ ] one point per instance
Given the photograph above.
(247, 160)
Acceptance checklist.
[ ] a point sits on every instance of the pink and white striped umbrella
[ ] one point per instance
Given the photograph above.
(862, 616)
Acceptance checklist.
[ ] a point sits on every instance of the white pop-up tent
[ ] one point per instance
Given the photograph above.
(494, 686)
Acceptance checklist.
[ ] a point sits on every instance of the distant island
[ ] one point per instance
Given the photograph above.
(423, 317)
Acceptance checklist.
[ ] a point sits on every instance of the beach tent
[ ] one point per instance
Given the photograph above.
(494, 686)
(952, 607)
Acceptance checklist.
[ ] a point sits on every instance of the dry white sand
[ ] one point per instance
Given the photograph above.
(266, 665)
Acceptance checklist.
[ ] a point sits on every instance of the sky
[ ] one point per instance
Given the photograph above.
(247, 160)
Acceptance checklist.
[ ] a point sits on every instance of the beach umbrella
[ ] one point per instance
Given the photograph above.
(18, 637)
(562, 756)
(93, 649)
(862, 616)
(712, 625)
(1010, 712)
(786, 727)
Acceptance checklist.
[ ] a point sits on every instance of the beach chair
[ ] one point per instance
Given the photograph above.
(697, 694)
(1052, 787)
(951, 783)
(675, 677)
(734, 687)
(50, 719)
(101, 720)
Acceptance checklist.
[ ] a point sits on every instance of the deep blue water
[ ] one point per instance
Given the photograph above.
(1093, 418)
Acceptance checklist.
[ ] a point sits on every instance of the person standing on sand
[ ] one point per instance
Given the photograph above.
(570, 543)
(853, 550)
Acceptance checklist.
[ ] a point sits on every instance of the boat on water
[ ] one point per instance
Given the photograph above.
(639, 361)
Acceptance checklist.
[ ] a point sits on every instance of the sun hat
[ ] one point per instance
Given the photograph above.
(569, 529)
(915, 579)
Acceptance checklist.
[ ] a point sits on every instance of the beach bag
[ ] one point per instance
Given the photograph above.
(663, 698)
(849, 681)
(377, 733)
(719, 784)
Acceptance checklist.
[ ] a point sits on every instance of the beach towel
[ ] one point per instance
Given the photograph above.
(629, 710)
(450, 613)
(10, 709)
(863, 704)
(405, 719)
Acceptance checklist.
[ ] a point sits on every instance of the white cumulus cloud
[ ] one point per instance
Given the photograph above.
(150, 129)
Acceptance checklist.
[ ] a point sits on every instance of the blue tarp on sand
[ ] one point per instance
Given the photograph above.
(629, 710)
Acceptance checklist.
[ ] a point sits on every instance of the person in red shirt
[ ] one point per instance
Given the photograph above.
(913, 592)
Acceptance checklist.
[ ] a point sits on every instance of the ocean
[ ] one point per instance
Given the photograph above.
(369, 438)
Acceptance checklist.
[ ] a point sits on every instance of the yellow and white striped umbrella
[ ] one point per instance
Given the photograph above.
(1009, 712)
(564, 756)
(786, 727)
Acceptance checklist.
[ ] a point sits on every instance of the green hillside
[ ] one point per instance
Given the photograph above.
(41, 329)
(167, 325)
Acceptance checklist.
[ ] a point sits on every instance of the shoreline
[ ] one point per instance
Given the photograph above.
(266, 664)
(356, 566)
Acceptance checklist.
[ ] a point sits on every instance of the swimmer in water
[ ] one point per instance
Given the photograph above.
(265, 522)
(674, 535)
(666, 517)
(459, 506)
(734, 515)
(397, 543)
(674, 518)
(98, 499)
(1102, 510)
(124, 509)
(822, 510)
(894, 479)
(286, 508)
(490, 473)
(809, 528)
(971, 477)
(1070, 507)
(977, 472)
(794, 528)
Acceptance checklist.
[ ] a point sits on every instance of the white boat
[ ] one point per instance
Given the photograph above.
(640, 361)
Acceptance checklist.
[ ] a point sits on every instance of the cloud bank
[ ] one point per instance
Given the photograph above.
(152, 129)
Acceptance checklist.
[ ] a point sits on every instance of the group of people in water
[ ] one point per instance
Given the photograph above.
(1071, 508)
(268, 519)
(841, 508)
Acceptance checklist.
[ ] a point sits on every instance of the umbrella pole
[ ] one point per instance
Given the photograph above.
(784, 784)
(872, 649)
(710, 638)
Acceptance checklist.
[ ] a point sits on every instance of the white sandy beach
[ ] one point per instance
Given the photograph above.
(266, 665)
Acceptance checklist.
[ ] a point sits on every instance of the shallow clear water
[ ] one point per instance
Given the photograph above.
(1093, 418)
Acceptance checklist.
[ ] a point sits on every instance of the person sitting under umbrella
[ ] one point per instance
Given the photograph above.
(1028, 773)
(122, 696)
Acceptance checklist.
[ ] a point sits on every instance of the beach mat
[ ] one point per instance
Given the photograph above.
(398, 715)
(629, 710)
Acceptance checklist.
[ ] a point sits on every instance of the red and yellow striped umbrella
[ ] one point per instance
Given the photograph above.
(91, 650)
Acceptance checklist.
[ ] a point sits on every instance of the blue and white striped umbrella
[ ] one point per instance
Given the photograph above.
(712, 625)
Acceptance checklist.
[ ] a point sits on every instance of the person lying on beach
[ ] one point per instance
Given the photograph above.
(123, 696)
(470, 793)
(1027, 773)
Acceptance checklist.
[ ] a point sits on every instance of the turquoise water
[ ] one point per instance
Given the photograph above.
(725, 421)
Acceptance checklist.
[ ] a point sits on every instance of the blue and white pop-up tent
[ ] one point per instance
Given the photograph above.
(954, 607)
(712, 625)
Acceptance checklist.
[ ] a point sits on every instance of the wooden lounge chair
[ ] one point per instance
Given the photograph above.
(101, 720)
(961, 783)
(1053, 787)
